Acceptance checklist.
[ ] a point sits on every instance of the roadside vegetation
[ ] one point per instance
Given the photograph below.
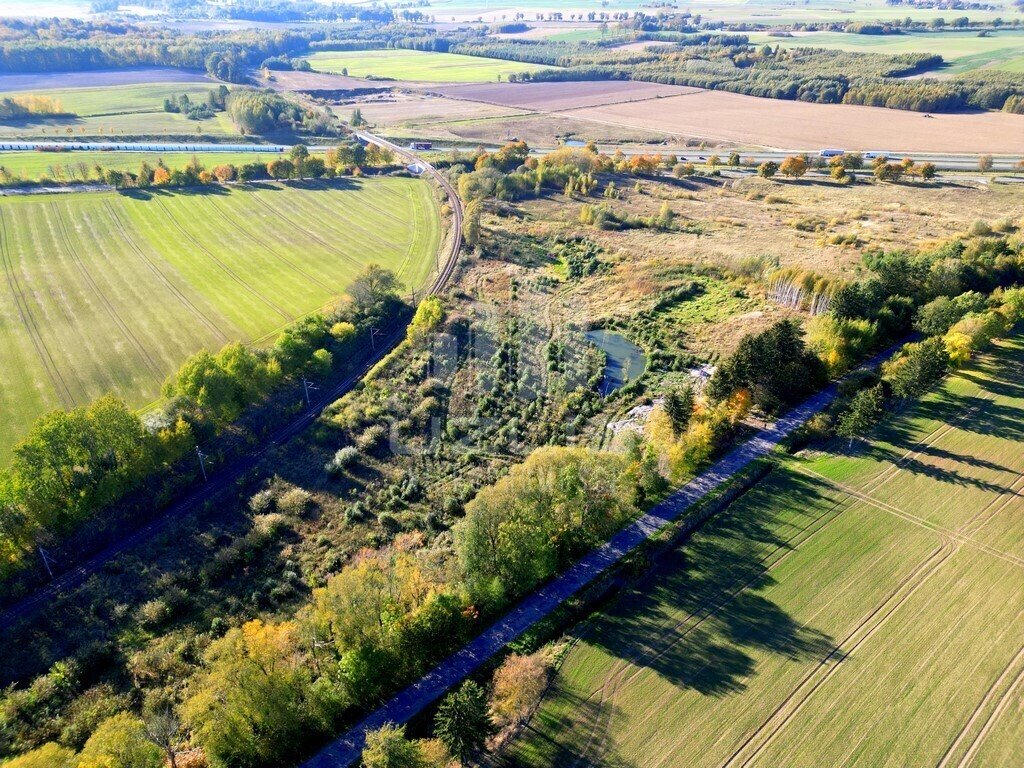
(419, 506)
(815, 594)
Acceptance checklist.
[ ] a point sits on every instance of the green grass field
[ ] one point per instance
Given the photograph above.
(32, 166)
(1001, 51)
(859, 606)
(121, 110)
(398, 64)
(105, 292)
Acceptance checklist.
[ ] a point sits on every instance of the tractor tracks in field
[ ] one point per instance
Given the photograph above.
(53, 373)
(705, 609)
(230, 221)
(104, 300)
(220, 263)
(296, 227)
(1001, 696)
(159, 274)
(757, 742)
(926, 441)
(956, 535)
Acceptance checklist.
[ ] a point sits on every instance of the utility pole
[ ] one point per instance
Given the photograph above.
(47, 561)
(202, 463)
(307, 385)
(373, 336)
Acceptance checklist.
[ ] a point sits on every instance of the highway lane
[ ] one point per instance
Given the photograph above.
(224, 477)
(946, 161)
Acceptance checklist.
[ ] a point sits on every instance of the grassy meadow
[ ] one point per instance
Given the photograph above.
(964, 51)
(856, 599)
(119, 111)
(110, 292)
(400, 64)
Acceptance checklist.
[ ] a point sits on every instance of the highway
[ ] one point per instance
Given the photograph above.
(942, 162)
(224, 477)
(946, 162)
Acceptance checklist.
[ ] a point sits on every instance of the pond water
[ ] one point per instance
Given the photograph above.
(626, 361)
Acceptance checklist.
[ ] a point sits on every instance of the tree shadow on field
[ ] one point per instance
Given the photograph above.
(200, 190)
(997, 385)
(901, 436)
(571, 732)
(328, 185)
(701, 615)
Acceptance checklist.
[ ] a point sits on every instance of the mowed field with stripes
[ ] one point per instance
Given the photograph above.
(107, 292)
(862, 606)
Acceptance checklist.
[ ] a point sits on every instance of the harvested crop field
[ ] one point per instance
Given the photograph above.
(537, 130)
(858, 606)
(312, 82)
(752, 121)
(556, 97)
(100, 78)
(426, 110)
(107, 292)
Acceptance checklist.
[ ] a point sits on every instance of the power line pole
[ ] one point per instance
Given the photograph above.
(202, 463)
(47, 561)
(307, 385)
(373, 336)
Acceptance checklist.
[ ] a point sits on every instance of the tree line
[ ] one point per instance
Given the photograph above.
(959, 295)
(74, 466)
(59, 45)
(347, 158)
(268, 690)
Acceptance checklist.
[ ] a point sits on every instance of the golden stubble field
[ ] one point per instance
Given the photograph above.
(748, 120)
(625, 111)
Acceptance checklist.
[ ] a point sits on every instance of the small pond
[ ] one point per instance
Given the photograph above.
(625, 360)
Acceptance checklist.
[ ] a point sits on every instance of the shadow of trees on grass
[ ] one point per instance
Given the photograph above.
(700, 620)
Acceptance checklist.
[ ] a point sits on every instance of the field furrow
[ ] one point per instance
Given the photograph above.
(887, 634)
(105, 292)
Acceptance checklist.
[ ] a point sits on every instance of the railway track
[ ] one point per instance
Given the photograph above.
(226, 477)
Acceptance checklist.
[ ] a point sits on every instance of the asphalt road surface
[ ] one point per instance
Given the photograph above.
(408, 703)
